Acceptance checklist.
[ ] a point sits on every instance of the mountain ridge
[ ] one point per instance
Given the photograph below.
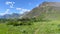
(48, 9)
(13, 15)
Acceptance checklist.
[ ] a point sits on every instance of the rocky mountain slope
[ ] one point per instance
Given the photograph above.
(49, 10)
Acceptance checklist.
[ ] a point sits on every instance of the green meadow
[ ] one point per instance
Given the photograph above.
(48, 27)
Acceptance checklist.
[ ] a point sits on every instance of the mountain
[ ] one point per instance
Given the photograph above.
(48, 10)
(13, 15)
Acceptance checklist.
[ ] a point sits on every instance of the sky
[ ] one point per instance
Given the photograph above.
(19, 6)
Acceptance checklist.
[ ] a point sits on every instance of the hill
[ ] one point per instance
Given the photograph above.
(48, 10)
(12, 16)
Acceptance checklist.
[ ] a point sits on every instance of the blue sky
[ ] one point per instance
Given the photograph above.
(19, 6)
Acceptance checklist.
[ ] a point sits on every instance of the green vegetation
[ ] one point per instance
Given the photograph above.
(51, 27)
(29, 26)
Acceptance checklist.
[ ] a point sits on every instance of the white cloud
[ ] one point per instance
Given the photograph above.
(22, 10)
(11, 4)
(6, 12)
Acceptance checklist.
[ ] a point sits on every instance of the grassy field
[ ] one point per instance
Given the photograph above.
(51, 27)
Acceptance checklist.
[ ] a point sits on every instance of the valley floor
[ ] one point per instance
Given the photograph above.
(51, 27)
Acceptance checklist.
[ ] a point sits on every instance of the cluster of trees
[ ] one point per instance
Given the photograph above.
(23, 21)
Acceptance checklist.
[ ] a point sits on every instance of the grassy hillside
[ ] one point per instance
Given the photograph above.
(52, 27)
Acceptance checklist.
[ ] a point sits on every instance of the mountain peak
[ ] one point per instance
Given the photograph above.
(55, 4)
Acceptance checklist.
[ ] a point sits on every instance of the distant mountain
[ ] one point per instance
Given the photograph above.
(13, 15)
(48, 10)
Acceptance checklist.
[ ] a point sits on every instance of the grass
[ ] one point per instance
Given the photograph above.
(52, 27)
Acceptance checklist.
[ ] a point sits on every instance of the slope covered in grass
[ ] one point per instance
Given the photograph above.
(51, 27)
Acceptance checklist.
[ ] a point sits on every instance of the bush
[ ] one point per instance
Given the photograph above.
(18, 22)
(24, 21)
